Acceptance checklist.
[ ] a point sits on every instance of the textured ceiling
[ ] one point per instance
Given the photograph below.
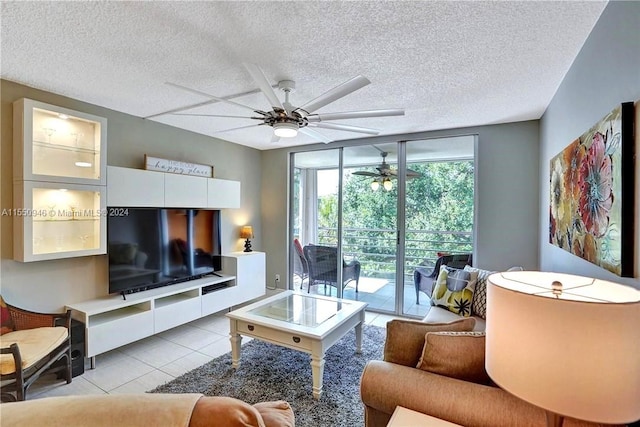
(449, 64)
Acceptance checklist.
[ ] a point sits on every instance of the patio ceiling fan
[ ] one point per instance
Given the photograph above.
(287, 119)
(385, 173)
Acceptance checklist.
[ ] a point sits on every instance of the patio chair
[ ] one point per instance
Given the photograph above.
(322, 261)
(423, 278)
(29, 345)
(300, 267)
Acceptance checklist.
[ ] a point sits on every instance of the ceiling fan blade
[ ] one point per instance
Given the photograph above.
(333, 94)
(355, 115)
(258, 76)
(217, 115)
(413, 174)
(365, 173)
(275, 138)
(410, 173)
(226, 101)
(348, 128)
(316, 135)
(238, 128)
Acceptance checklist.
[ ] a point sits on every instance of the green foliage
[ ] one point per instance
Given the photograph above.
(441, 200)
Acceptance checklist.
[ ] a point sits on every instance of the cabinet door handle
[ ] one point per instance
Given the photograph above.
(296, 340)
(251, 327)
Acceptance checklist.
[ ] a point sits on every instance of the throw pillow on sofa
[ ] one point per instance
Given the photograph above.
(454, 290)
(405, 338)
(455, 354)
(479, 302)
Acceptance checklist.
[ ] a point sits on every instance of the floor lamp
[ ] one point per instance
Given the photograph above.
(567, 344)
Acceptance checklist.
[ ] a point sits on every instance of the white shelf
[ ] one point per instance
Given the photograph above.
(112, 321)
(118, 314)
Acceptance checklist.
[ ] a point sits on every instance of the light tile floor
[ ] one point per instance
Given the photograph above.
(148, 363)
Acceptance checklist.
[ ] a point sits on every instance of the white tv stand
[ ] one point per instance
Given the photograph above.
(112, 321)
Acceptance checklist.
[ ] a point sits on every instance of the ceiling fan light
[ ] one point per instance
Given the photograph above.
(285, 130)
(387, 184)
(375, 185)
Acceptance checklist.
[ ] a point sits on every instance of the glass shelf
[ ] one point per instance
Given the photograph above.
(52, 146)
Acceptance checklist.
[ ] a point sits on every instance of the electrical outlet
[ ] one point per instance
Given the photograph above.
(277, 277)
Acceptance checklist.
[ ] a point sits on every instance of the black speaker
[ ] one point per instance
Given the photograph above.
(77, 348)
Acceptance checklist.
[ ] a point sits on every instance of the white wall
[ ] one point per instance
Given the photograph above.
(49, 285)
(605, 73)
(507, 191)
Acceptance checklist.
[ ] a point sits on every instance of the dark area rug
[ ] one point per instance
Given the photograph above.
(270, 372)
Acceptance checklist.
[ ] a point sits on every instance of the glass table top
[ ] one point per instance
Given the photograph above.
(300, 310)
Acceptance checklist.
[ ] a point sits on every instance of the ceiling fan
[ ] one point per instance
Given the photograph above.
(287, 119)
(385, 173)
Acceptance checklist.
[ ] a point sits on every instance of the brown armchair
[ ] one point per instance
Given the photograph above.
(31, 343)
(423, 278)
(322, 262)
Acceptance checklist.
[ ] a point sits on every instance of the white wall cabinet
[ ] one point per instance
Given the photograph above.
(142, 188)
(111, 321)
(223, 193)
(185, 190)
(59, 196)
(127, 186)
(56, 144)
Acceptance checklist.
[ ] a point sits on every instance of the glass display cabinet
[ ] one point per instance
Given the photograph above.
(55, 144)
(59, 194)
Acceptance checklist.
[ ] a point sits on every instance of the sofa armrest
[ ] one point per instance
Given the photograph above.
(387, 385)
(384, 386)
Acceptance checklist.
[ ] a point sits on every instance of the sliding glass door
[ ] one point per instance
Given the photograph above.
(387, 210)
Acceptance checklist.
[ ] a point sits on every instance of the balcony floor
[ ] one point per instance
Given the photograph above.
(379, 293)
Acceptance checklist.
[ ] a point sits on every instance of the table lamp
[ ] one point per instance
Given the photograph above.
(567, 344)
(246, 232)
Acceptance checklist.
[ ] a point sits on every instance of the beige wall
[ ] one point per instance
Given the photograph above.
(49, 285)
(507, 189)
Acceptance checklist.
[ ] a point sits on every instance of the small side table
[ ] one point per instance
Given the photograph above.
(403, 417)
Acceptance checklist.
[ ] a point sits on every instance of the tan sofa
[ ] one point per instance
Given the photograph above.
(397, 381)
(142, 410)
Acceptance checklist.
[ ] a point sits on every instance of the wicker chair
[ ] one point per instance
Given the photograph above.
(322, 262)
(423, 278)
(45, 340)
(300, 267)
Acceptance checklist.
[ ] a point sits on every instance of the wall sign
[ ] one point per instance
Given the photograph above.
(177, 167)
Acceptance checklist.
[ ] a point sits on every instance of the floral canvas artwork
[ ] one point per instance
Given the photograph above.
(591, 204)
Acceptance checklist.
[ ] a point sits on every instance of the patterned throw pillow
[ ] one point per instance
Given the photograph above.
(6, 324)
(454, 290)
(479, 303)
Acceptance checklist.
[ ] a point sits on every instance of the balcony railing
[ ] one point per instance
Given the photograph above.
(376, 248)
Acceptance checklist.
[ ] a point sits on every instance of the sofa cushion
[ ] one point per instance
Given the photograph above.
(441, 315)
(455, 354)
(454, 290)
(405, 338)
(479, 302)
(276, 414)
(6, 323)
(34, 344)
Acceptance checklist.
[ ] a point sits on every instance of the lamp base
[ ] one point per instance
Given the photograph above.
(247, 246)
(554, 420)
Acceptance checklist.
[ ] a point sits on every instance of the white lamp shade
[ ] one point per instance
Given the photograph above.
(576, 354)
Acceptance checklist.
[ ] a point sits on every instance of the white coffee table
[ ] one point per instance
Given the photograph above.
(307, 323)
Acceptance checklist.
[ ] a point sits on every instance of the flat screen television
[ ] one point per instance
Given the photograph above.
(153, 247)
